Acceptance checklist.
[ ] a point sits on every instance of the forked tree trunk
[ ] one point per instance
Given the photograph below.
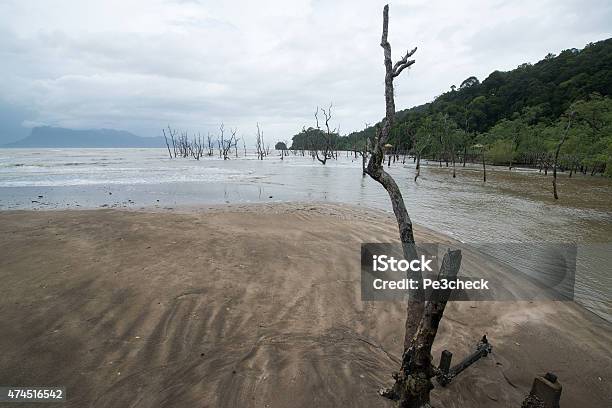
(413, 382)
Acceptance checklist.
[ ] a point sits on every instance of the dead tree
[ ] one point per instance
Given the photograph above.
(265, 149)
(259, 144)
(184, 145)
(364, 153)
(196, 147)
(225, 145)
(420, 143)
(484, 166)
(418, 152)
(211, 145)
(172, 133)
(482, 149)
(559, 145)
(413, 381)
(326, 144)
(167, 145)
(235, 141)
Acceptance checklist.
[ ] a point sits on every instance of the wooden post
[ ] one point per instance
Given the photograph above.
(444, 367)
(545, 392)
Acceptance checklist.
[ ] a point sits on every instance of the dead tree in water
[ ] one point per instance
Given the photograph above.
(171, 133)
(482, 149)
(211, 145)
(235, 141)
(196, 147)
(420, 142)
(484, 166)
(413, 381)
(559, 145)
(364, 153)
(259, 144)
(225, 145)
(167, 145)
(327, 148)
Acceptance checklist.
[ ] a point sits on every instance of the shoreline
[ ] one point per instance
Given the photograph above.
(241, 314)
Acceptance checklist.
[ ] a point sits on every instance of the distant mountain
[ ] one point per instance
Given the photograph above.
(47, 136)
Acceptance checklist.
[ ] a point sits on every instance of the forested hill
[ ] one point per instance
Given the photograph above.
(551, 85)
(517, 115)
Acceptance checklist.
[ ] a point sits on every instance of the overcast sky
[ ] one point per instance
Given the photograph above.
(138, 65)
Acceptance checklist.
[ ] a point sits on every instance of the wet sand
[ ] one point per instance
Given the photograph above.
(253, 306)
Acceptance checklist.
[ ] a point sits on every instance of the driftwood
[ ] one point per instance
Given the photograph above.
(446, 373)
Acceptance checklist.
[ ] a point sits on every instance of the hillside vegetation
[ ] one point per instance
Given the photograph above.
(514, 117)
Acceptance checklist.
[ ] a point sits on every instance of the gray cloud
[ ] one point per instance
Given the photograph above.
(141, 64)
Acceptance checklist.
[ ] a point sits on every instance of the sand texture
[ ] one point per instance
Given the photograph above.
(253, 306)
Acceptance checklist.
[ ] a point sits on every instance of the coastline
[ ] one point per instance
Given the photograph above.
(230, 304)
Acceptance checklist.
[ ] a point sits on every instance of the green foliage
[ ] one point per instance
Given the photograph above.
(500, 152)
(520, 115)
(310, 139)
(315, 139)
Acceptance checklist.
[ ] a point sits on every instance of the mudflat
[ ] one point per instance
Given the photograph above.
(254, 306)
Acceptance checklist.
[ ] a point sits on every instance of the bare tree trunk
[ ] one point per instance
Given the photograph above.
(167, 144)
(363, 165)
(413, 383)
(484, 167)
(418, 166)
(559, 145)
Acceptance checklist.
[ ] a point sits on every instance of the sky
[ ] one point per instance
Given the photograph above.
(139, 65)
